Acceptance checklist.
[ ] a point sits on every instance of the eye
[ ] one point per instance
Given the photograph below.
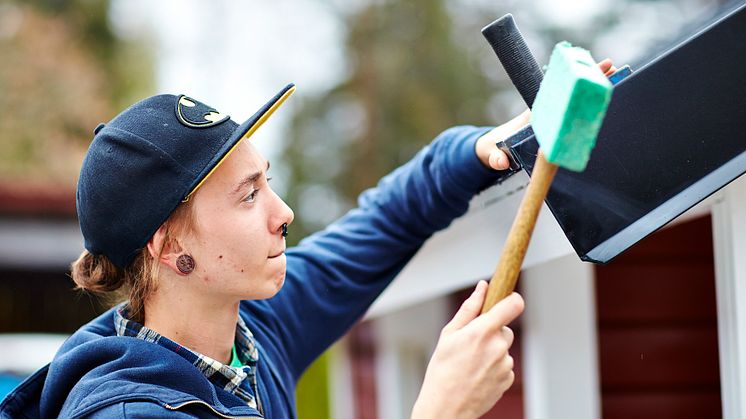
(250, 198)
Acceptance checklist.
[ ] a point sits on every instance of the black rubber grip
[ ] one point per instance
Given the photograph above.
(518, 61)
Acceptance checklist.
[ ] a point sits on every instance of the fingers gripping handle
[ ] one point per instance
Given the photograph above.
(505, 38)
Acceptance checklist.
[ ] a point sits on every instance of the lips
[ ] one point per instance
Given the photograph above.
(277, 254)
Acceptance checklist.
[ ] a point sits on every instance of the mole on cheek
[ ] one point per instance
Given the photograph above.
(220, 257)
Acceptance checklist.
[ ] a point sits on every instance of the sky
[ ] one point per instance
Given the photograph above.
(235, 55)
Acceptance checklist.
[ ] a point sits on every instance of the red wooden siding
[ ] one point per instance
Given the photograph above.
(658, 327)
(361, 346)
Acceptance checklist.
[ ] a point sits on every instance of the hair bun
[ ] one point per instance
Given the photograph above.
(96, 274)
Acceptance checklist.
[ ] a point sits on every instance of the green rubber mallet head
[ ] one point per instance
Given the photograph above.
(570, 107)
(566, 117)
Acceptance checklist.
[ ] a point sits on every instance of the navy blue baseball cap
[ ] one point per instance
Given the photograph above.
(149, 159)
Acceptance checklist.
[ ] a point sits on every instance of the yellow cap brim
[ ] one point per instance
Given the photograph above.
(245, 130)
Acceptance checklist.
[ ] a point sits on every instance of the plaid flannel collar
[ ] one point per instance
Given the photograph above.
(238, 381)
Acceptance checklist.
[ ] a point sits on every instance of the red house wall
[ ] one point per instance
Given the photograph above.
(657, 331)
(657, 323)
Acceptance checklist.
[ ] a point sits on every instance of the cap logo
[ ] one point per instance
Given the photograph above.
(196, 114)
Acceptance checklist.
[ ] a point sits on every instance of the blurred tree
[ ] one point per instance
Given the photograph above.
(62, 72)
(408, 80)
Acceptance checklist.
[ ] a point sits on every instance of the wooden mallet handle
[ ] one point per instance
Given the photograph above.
(506, 274)
(523, 69)
(579, 96)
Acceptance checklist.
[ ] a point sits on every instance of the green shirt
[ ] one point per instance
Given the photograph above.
(235, 362)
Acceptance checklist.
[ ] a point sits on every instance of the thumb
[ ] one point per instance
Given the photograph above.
(502, 313)
(470, 308)
(498, 160)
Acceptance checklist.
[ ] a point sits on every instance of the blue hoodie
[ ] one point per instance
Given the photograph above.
(332, 278)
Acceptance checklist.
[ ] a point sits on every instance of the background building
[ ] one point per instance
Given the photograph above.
(656, 332)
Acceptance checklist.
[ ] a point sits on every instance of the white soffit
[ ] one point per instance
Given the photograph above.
(469, 249)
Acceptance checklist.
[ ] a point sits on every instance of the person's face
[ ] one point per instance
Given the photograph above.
(237, 242)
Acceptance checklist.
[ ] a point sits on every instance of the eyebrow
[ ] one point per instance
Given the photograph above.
(248, 180)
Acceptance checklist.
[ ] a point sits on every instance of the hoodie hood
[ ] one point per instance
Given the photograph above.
(95, 368)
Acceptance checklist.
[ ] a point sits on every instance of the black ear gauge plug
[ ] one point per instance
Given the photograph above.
(285, 230)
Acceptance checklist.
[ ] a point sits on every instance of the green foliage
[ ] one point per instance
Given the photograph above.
(313, 390)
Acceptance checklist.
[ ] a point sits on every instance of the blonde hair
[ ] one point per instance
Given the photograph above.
(96, 274)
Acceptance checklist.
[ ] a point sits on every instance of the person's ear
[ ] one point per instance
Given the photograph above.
(165, 251)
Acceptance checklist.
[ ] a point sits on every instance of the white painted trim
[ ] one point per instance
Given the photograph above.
(25, 353)
(729, 239)
(559, 341)
(468, 250)
(405, 340)
(39, 243)
(341, 394)
(388, 381)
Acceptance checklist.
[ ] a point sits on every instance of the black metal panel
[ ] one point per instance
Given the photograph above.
(675, 132)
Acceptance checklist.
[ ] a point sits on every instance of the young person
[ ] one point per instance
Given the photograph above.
(220, 319)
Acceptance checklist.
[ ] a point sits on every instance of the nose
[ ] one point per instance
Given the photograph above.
(284, 216)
